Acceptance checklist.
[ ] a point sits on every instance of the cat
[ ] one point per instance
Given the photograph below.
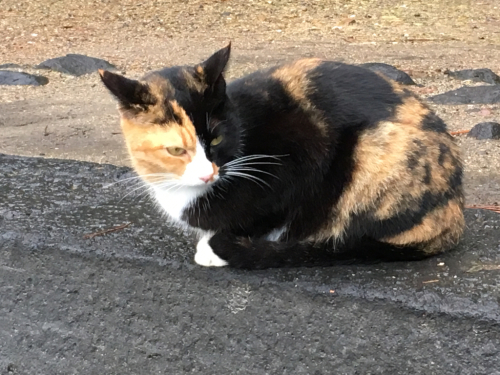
(311, 162)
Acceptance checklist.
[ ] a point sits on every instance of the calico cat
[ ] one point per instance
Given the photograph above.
(307, 163)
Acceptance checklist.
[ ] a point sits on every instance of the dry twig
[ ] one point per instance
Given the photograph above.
(485, 207)
(457, 132)
(484, 267)
(106, 231)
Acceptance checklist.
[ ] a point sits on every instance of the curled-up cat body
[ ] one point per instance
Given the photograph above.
(308, 163)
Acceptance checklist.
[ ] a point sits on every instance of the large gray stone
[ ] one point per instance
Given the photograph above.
(485, 130)
(8, 77)
(469, 95)
(76, 65)
(390, 72)
(477, 75)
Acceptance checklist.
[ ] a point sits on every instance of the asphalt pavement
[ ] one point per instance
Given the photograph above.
(132, 301)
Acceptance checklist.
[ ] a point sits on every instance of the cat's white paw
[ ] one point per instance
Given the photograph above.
(205, 256)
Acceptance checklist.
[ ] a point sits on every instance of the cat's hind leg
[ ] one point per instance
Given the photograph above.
(227, 249)
(260, 253)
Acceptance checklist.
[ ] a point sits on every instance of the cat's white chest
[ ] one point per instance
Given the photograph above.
(175, 202)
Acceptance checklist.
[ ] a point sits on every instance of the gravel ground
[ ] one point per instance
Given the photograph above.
(75, 117)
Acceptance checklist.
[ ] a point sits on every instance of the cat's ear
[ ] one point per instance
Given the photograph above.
(129, 92)
(212, 68)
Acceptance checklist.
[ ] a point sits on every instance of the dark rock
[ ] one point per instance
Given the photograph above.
(477, 75)
(8, 77)
(469, 95)
(485, 130)
(390, 72)
(75, 65)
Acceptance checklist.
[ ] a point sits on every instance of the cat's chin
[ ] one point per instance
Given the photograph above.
(195, 185)
(175, 200)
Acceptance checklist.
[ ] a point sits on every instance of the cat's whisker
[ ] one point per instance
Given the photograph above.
(258, 163)
(233, 176)
(253, 157)
(247, 157)
(149, 182)
(168, 186)
(145, 186)
(136, 178)
(131, 179)
(172, 188)
(142, 194)
(164, 181)
(249, 169)
(248, 177)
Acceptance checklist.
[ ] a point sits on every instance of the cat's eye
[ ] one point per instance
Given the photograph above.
(216, 141)
(176, 151)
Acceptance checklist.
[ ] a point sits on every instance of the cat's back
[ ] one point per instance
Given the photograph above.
(397, 176)
(343, 94)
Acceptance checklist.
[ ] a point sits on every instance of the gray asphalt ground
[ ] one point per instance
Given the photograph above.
(133, 301)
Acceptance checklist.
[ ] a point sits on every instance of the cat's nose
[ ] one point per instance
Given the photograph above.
(207, 178)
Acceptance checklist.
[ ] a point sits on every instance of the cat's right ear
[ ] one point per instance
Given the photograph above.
(212, 68)
(129, 92)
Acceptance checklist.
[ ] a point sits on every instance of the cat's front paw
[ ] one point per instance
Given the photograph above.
(205, 256)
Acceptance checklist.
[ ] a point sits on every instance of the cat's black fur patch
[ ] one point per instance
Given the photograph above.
(444, 151)
(258, 253)
(433, 123)
(316, 171)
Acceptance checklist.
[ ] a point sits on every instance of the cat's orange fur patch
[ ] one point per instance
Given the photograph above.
(411, 112)
(186, 121)
(147, 146)
(431, 233)
(294, 77)
(383, 180)
(380, 162)
(295, 81)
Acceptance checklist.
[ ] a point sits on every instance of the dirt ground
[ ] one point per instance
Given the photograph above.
(75, 118)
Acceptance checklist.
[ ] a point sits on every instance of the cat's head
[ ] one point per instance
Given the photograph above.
(176, 121)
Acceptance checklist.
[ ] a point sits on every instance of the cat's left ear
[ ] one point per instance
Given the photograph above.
(211, 69)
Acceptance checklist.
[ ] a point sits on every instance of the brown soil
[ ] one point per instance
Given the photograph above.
(76, 118)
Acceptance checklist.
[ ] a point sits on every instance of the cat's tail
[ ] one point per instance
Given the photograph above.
(258, 253)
